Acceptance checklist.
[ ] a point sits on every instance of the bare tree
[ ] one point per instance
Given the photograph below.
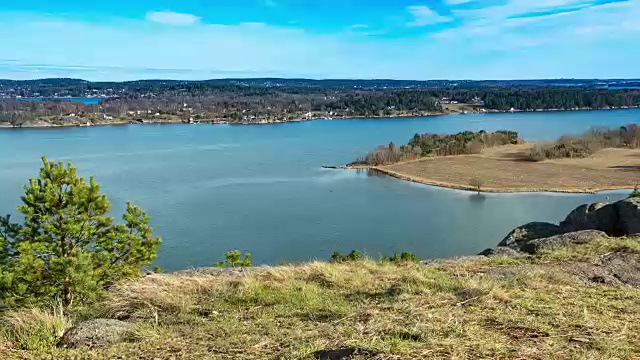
(477, 183)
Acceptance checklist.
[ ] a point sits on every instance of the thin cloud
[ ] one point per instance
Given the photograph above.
(510, 30)
(172, 18)
(423, 16)
(457, 2)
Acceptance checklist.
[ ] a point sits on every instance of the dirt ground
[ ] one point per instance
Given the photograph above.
(504, 169)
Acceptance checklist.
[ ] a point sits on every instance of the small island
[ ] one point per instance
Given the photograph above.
(599, 160)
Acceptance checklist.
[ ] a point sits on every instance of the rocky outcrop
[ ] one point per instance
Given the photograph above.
(624, 266)
(500, 251)
(598, 216)
(96, 333)
(573, 238)
(616, 219)
(530, 231)
(629, 216)
(584, 224)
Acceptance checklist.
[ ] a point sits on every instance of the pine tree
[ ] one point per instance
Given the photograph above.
(68, 247)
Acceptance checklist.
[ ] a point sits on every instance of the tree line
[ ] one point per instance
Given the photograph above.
(421, 145)
(242, 103)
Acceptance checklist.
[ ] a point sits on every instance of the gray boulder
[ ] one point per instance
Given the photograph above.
(530, 231)
(624, 266)
(96, 333)
(598, 216)
(573, 238)
(629, 216)
(500, 251)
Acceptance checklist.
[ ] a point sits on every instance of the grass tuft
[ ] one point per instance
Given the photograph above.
(33, 329)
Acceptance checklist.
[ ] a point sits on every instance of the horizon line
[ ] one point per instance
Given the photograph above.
(322, 79)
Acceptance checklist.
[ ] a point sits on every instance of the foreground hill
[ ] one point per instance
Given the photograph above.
(577, 301)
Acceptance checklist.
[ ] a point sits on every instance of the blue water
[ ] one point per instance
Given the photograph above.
(88, 101)
(210, 189)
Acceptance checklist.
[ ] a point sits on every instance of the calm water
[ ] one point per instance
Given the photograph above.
(210, 189)
(88, 101)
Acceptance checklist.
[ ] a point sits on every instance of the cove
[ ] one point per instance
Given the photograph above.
(261, 188)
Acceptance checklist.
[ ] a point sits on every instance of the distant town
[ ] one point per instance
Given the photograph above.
(73, 102)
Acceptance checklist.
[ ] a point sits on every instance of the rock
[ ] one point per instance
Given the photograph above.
(573, 238)
(629, 216)
(216, 271)
(624, 266)
(598, 216)
(500, 251)
(458, 259)
(96, 333)
(531, 231)
(345, 353)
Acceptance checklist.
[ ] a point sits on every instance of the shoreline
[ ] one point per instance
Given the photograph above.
(468, 188)
(225, 122)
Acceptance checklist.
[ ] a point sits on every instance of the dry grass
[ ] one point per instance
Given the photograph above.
(503, 170)
(509, 308)
(32, 329)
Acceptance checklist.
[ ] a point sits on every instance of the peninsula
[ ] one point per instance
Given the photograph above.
(597, 161)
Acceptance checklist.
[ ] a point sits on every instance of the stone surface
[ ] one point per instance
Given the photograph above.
(96, 333)
(345, 354)
(598, 216)
(530, 231)
(499, 251)
(573, 238)
(624, 266)
(629, 216)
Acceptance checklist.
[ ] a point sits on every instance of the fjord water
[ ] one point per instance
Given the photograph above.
(261, 188)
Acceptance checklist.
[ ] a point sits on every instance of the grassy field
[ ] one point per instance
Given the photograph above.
(551, 306)
(505, 169)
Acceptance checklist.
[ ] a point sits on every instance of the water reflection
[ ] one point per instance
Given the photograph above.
(478, 198)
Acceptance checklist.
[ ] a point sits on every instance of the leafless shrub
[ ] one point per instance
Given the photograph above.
(587, 144)
(477, 183)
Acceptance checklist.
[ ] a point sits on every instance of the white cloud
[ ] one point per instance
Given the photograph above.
(172, 18)
(554, 22)
(457, 2)
(515, 8)
(423, 16)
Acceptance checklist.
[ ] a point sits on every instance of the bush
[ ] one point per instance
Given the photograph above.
(635, 193)
(585, 145)
(404, 257)
(466, 142)
(234, 259)
(68, 248)
(354, 255)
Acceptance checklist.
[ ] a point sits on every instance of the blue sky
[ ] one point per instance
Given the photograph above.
(400, 39)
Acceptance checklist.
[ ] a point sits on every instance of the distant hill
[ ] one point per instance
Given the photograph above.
(339, 83)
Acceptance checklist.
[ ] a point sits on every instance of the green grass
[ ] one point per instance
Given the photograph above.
(511, 308)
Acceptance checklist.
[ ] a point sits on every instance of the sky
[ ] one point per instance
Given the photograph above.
(119, 40)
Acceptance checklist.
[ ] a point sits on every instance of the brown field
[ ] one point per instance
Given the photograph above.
(504, 169)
